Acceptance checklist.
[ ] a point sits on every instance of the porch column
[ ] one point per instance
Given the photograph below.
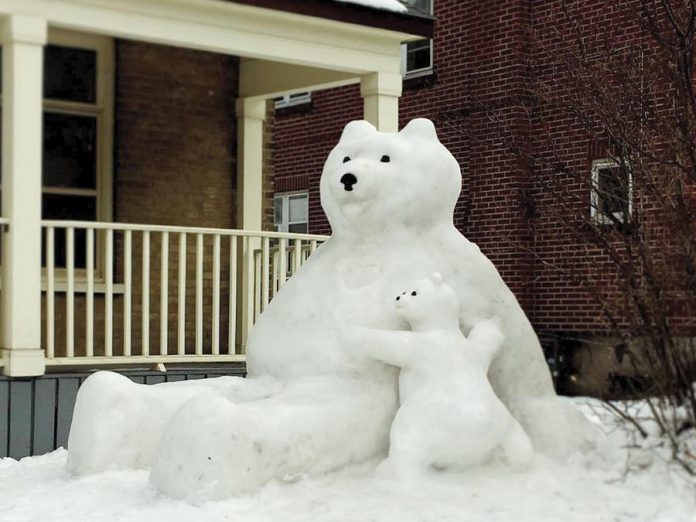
(23, 39)
(251, 113)
(381, 92)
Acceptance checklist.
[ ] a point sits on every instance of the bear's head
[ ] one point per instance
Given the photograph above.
(374, 182)
(429, 304)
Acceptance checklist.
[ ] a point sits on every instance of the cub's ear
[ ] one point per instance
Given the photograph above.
(420, 128)
(357, 129)
(437, 278)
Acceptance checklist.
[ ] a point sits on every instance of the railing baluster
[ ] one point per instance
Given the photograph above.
(164, 293)
(128, 294)
(258, 270)
(232, 326)
(109, 297)
(145, 312)
(70, 293)
(283, 262)
(296, 255)
(199, 294)
(50, 293)
(265, 273)
(312, 246)
(215, 349)
(181, 339)
(89, 327)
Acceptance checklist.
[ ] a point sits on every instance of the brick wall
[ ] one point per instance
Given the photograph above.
(486, 55)
(175, 136)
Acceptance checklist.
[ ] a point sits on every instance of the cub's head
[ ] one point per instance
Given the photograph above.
(374, 181)
(429, 303)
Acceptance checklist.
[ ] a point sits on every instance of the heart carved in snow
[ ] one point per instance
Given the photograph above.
(357, 275)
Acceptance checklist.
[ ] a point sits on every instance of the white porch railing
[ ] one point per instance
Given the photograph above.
(120, 293)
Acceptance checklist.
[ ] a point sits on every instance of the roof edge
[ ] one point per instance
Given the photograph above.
(408, 22)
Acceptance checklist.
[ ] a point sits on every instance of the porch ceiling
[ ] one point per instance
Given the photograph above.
(258, 31)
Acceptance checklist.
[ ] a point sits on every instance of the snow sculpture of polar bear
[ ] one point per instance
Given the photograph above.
(449, 415)
(390, 200)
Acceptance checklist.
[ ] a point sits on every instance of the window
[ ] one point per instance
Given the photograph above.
(77, 133)
(289, 100)
(291, 212)
(612, 191)
(417, 57)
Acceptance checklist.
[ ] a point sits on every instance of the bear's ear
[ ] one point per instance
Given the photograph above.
(357, 129)
(437, 278)
(420, 128)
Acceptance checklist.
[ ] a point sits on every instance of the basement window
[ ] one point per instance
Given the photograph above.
(290, 100)
(612, 191)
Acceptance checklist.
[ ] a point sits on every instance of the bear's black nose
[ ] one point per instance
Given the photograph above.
(348, 181)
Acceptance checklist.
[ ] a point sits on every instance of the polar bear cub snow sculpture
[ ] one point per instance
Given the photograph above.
(449, 417)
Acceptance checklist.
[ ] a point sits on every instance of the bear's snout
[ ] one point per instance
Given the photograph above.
(348, 180)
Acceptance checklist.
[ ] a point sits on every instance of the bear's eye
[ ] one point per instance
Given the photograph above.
(385, 159)
(398, 297)
(414, 293)
(346, 159)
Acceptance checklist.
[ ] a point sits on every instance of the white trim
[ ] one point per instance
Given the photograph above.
(229, 28)
(595, 214)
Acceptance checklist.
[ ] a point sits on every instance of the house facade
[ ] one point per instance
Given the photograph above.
(475, 80)
(136, 184)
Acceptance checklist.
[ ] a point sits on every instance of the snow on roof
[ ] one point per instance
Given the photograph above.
(391, 5)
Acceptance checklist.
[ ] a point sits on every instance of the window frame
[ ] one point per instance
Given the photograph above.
(595, 197)
(102, 110)
(285, 221)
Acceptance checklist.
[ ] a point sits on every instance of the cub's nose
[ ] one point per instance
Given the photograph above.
(348, 181)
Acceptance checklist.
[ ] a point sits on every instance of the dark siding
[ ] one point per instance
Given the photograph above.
(45, 393)
(20, 418)
(35, 413)
(4, 417)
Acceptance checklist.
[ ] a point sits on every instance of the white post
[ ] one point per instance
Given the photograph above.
(251, 113)
(381, 92)
(22, 39)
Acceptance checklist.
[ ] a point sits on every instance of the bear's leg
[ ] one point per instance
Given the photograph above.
(213, 448)
(412, 444)
(118, 423)
(517, 448)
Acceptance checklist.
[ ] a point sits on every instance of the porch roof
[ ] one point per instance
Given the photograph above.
(410, 21)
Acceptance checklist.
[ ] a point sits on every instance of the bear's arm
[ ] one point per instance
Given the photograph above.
(398, 348)
(486, 338)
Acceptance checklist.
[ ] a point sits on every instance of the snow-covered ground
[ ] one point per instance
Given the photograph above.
(593, 488)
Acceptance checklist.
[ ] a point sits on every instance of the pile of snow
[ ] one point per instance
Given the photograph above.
(390, 5)
(595, 488)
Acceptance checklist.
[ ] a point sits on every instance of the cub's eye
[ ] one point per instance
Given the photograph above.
(414, 293)
(398, 297)
(346, 159)
(385, 159)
